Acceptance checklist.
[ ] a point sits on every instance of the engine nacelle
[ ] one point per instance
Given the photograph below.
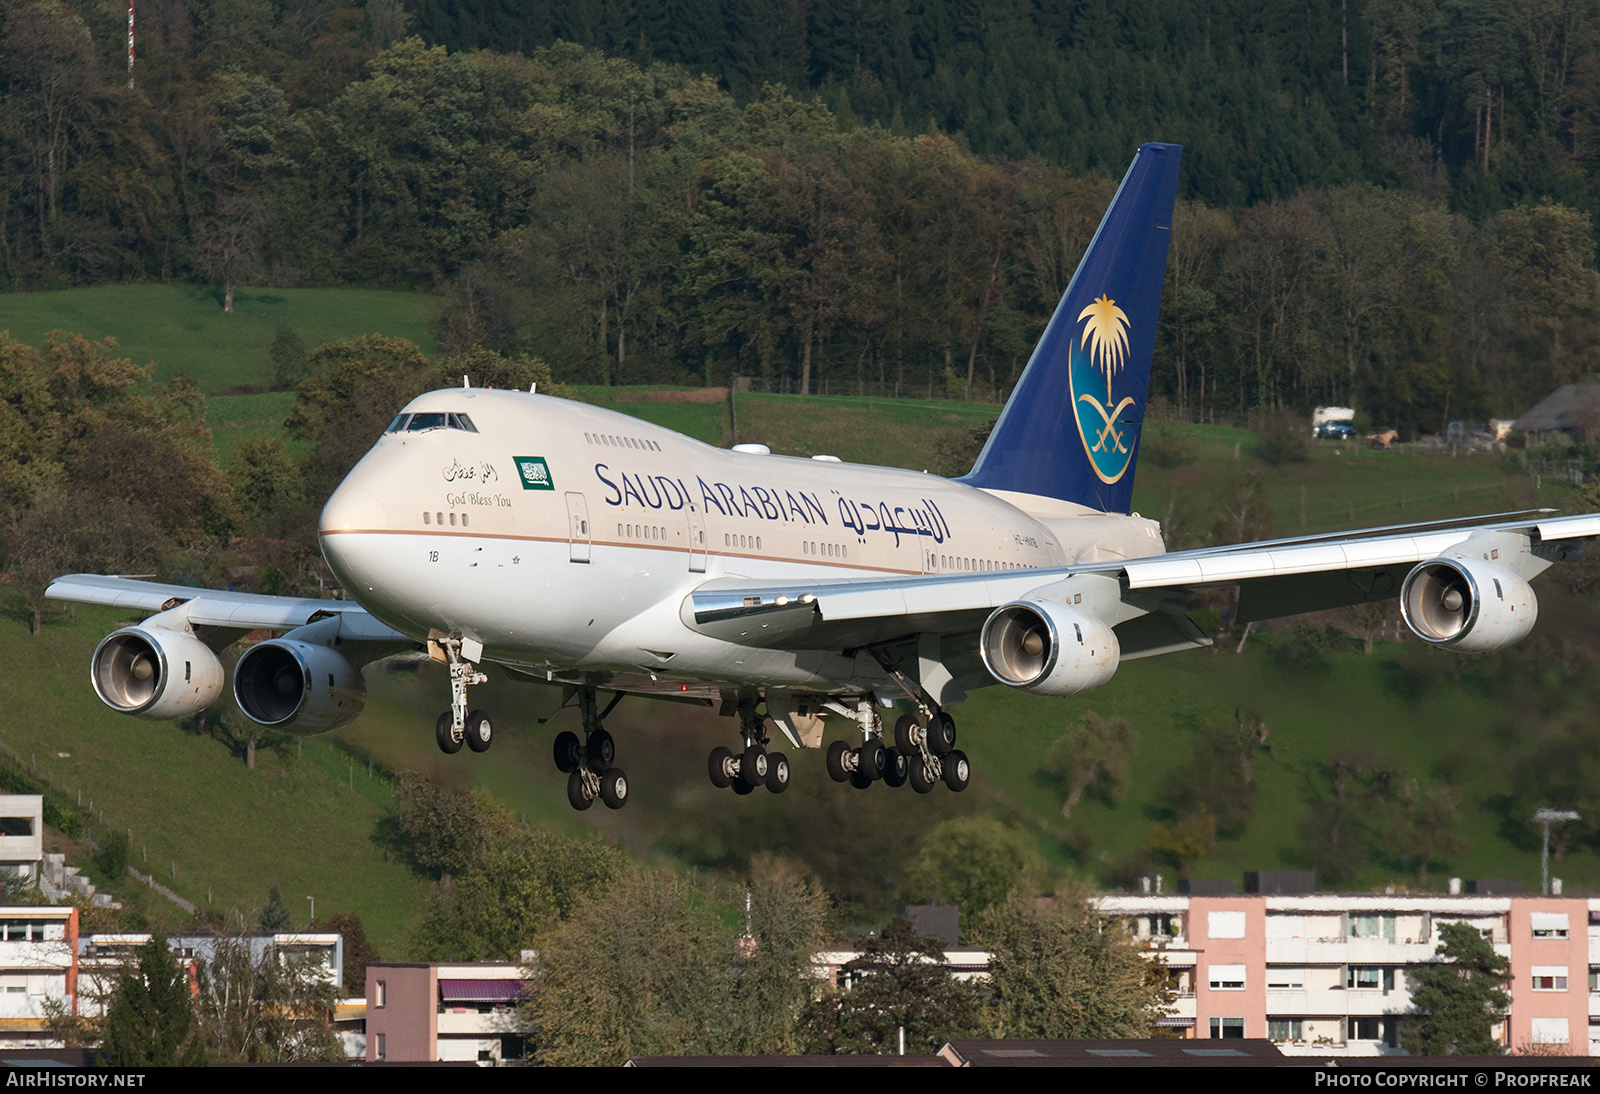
(156, 673)
(1048, 648)
(298, 687)
(1467, 604)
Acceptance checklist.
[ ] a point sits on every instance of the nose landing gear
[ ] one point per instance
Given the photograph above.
(456, 727)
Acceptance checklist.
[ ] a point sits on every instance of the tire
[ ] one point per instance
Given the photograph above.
(480, 731)
(777, 772)
(905, 728)
(920, 778)
(614, 788)
(602, 750)
(753, 766)
(860, 780)
(941, 733)
(896, 768)
(872, 758)
(576, 796)
(717, 767)
(837, 771)
(957, 772)
(742, 788)
(567, 752)
(444, 733)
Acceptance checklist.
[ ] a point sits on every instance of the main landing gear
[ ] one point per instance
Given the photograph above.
(590, 764)
(754, 766)
(924, 753)
(456, 726)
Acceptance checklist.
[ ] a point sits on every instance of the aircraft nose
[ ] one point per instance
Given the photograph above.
(352, 509)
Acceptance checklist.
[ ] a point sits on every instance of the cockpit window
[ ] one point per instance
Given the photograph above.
(418, 423)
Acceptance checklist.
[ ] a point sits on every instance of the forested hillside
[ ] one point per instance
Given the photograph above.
(1389, 202)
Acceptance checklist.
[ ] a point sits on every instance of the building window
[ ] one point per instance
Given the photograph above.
(1285, 1029)
(1371, 977)
(383, 1048)
(380, 997)
(1226, 1028)
(1594, 978)
(1364, 1029)
(1286, 979)
(1227, 977)
(1372, 926)
(1550, 925)
(1550, 1031)
(1549, 978)
(1224, 924)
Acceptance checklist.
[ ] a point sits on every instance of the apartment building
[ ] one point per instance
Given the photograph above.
(460, 1012)
(1331, 974)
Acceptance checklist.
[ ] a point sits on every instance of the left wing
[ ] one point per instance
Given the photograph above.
(1459, 586)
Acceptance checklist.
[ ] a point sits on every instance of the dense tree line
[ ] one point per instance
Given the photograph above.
(1387, 202)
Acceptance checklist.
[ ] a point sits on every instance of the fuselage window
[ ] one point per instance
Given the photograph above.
(452, 520)
(427, 518)
(463, 423)
(463, 520)
(398, 424)
(439, 519)
(422, 422)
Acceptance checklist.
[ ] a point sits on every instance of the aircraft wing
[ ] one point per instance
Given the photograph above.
(229, 610)
(1275, 578)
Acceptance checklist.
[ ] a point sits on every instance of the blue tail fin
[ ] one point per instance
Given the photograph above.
(1071, 428)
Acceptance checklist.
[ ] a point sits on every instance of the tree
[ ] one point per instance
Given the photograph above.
(274, 917)
(1457, 1000)
(641, 969)
(443, 829)
(973, 862)
(1060, 971)
(358, 952)
(520, 880)
(1094, 754)
(900, 981)
(150, 1021)
(254, 1005)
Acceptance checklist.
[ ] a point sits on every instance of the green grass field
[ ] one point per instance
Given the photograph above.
(183, 329)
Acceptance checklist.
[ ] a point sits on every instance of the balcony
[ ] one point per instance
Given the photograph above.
(1340, 1001)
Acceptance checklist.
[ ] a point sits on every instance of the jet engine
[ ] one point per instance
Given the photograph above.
(1048, 648)
(1467, 604)
(155, 673)
(298, 687)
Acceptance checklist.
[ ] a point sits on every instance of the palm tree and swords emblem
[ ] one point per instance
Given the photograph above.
(1105, 337)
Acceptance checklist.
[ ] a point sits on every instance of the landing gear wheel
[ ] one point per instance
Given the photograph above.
(753, 766)
(717, 767)
(777, 772)
(871, 759)
(577, 793)
(742, 788)
(921, 778)
(957, 771)
(568, 752)
(480, 733)
(837, 771)
(897, 768)
(614, 788)
(860, 780)
(602, 750)
(904, 727)
(444, 732)
(941, 733)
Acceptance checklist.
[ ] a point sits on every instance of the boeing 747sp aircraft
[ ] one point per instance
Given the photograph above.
(569, 545)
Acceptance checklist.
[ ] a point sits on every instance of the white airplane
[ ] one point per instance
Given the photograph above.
(570, 545)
